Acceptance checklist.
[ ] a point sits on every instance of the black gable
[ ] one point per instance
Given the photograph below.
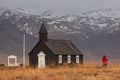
(63, 47)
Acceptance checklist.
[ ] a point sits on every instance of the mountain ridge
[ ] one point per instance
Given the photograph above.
(95, 37)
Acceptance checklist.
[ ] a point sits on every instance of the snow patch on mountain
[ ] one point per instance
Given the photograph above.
(115, 13)
(22, 11)
(101, 26)
(2, 10)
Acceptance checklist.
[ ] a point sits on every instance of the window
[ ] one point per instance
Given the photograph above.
(60, 59)
(77, 59)
(69, 59)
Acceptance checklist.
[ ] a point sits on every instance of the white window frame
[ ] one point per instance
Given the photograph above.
(77, 58)
(69, 58)
(60, 59)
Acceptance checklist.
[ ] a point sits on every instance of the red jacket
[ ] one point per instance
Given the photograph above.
(104, 60)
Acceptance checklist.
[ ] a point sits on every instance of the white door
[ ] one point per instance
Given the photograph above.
(41, 60)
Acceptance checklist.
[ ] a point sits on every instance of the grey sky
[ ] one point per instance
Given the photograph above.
(60, 6)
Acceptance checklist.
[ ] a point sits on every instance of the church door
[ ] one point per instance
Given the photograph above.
(41, 60)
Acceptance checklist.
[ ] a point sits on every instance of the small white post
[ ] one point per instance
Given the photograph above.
(8, 61)
(24, 46)
(23, 50)
(15, 61)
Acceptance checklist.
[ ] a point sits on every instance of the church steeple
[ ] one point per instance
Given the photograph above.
(43, 33)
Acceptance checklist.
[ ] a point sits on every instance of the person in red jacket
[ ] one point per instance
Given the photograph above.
(105, 61)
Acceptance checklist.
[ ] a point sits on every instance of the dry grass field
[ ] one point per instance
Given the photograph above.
(62, 73)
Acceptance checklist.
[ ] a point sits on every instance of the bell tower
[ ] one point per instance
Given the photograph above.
(43, 33)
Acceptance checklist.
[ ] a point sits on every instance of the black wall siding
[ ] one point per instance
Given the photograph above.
(65, 59)
(33, 60)
(73, 59)
(81, 59)
(50, 58)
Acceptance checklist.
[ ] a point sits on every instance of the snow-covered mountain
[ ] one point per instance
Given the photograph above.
(95, 32)
(102, 20)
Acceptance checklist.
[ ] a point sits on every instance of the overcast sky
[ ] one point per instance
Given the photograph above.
(60, 6)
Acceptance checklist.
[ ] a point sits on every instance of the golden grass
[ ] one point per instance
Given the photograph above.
(62, 73)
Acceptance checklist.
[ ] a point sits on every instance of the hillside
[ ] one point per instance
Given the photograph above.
(96, 33)
(11, 41)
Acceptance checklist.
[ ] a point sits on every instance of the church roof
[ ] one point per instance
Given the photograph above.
(63, 47)
(57, 46)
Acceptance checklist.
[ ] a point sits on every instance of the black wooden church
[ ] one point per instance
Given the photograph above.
(53, 51)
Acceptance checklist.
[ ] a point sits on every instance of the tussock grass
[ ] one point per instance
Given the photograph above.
(85, 72)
